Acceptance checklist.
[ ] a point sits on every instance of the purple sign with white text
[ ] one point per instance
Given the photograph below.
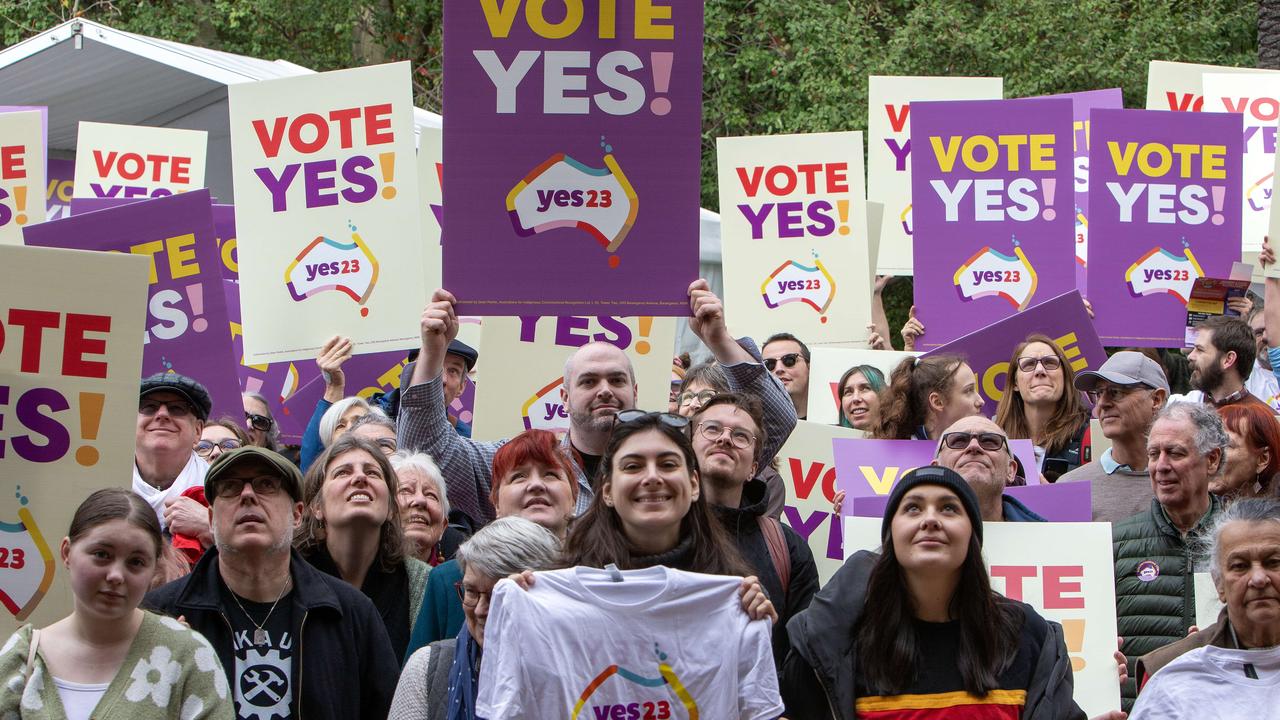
(1068, 502)
(988, 350)
(992, 202)
(1165, 209)
(187, 329)
(572, 157)
(866, 467)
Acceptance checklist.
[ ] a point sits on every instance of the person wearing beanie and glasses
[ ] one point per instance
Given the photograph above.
(916, 630)
(294, 641)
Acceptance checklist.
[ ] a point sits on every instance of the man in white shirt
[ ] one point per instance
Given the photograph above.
(172, 410)
(1262, 381)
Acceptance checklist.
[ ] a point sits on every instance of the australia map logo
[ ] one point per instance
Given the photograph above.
(27, 563)
(326, 264)
(793, 282)
(1160, 271)
(653, 695)
(991, 273)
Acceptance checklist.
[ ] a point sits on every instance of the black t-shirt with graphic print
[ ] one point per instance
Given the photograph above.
(262, 678)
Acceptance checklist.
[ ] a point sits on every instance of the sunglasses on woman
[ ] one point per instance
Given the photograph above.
(1028, 364)
(261, 423)
(788, 360)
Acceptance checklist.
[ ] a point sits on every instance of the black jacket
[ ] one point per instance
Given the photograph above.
(817, 679)
(343, 667)
(743, 525)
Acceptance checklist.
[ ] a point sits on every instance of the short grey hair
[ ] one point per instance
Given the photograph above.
(375, 416)
(708, 373)
(422, 462)
(507, 546)
(329, 422)
(1210, 433)
(1250, 510)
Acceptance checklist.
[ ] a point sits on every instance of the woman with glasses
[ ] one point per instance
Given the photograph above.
(859, 392)
(701, 383)
(1041, 403)
(263, 430)
(109, 659)
(351, 530)
(440, 680)
(925, 395)
(917, 631)
(219, 436)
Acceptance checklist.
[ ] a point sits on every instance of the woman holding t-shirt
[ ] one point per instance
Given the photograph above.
(917, 631)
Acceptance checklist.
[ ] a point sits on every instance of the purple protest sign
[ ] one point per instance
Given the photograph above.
(61, 181)
(1165, 209)
(987, 351)
(991, 199)
(224, 229)
(567, 137)
(1081, 105)
(866, 467)
(187, 327)
(1068, 502)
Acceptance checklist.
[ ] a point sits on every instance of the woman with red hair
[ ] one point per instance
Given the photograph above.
(1253, 456)
(533, 478)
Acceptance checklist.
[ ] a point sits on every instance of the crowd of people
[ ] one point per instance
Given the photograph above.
(357, 578)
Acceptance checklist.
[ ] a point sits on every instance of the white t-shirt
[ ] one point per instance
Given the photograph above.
(192, 475)
(1213, 683)
(79, 699)
(1262, 383)
(650, 647)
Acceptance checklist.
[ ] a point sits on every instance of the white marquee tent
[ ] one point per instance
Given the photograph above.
(83, 70)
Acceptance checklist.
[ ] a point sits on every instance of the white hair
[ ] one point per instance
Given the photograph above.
(329, 422)
(1250, 510)
(422, 462)
(507, 546)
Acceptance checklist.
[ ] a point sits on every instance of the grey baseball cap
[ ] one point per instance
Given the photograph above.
(1125, 368)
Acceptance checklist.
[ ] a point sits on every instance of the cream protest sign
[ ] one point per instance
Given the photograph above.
(793, 227)
(1256, 97)
(527, 394)
(1065, 572)
(1180, 86)
(133, 161)
(889, 151)
(22, 171)
(326, 192)
(431, 204)
(826, 365)
(70, 360)
(808, 470)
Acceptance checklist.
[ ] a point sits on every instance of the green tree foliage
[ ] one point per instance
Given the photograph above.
(771, 66)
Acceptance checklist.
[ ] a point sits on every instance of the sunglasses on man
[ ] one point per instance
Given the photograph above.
(788, 360)
(988, 441)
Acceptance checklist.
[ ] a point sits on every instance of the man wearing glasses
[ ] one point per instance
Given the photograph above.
(788, 359)
(293, 641)
(172, 410)
(598, 383)
(727, 440)
(1127, 392)
(978, 450)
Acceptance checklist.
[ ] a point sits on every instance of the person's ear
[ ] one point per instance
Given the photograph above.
(606, 494)
(697, 486)
(1215, 460)
(65, 551)
(1263, 460)
(936, 402)
(564, 394)
(297, 515)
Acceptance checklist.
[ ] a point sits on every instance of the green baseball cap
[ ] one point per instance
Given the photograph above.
(290, 475)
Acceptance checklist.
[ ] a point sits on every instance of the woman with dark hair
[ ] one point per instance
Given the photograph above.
(351, 530)
(108, 659)
(917, 629)
(1253, 455)
(1041, 403)
(859, 392)
(925, 396)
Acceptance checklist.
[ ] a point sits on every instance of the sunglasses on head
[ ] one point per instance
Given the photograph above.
(261, 423)
(788, 360)
(988, 441)
(624, 417)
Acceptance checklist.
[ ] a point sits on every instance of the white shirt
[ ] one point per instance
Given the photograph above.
(79, 699)
(1262, 383)
(1213, 683)
(192, 475)
(654, 645)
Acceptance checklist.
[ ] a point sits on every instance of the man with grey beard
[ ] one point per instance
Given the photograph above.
(250, 594)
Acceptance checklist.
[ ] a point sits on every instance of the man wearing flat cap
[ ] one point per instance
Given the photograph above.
(172, 410)
(1127, 392)
(293, 641)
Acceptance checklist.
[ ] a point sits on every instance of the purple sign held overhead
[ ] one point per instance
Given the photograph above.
(1165, 209)
(988, 350)
(187, 327)
(572, 157)
(1082, 103)
(1068, 502)
(991, 197)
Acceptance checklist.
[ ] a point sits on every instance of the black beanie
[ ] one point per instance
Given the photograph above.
(933, 475)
